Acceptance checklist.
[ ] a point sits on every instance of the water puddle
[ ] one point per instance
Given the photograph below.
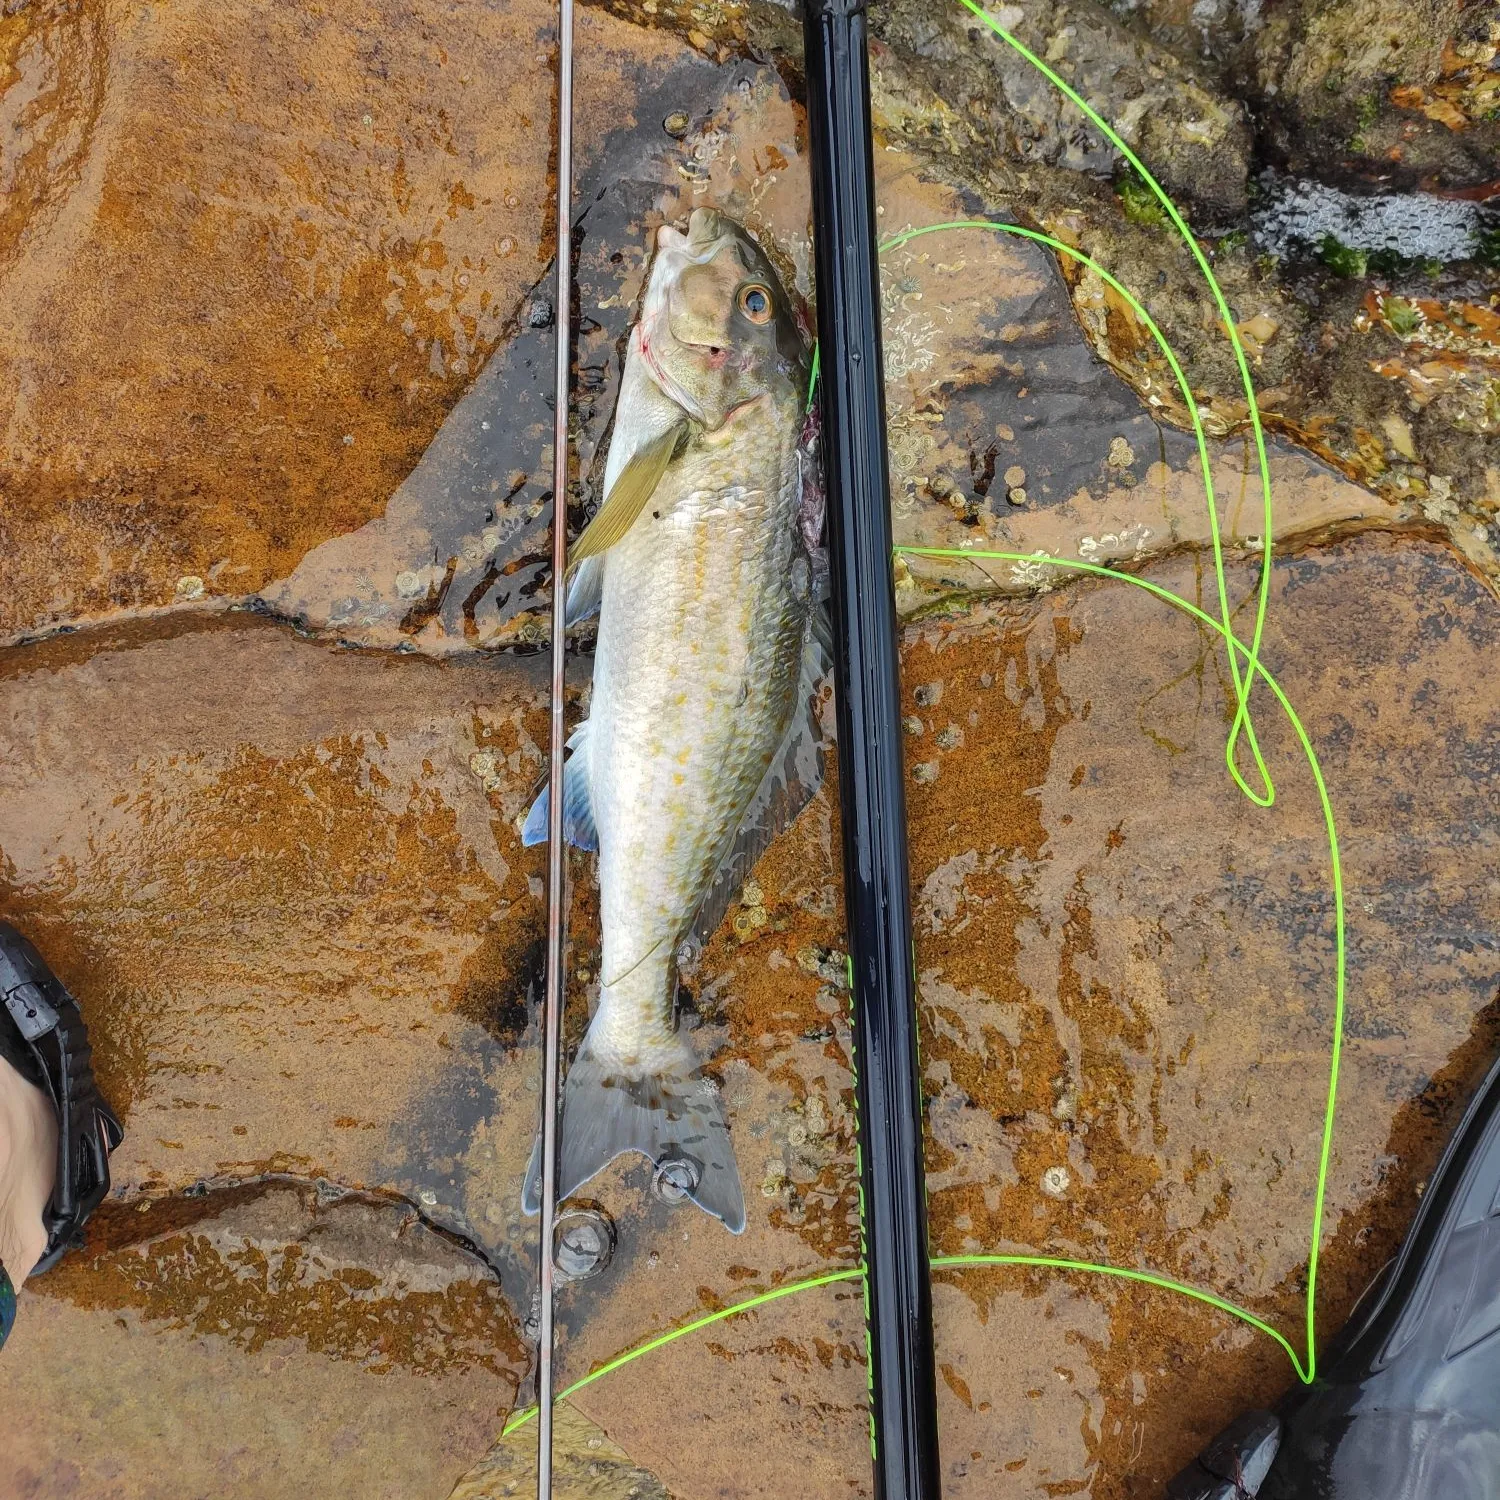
(1297, 216)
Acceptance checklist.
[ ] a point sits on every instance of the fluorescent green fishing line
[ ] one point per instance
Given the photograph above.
(1225, 607)
(1242, 693)
(1306, 1371)
(849, 1273)
(1241, 726)
(1235, 647)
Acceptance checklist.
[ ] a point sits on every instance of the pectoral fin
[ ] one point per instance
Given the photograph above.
(628, 495)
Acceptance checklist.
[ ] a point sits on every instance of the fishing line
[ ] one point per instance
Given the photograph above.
(849, 1273)
(1267, 798)
(1253, 668)
(1242, 692)
(1242, 725)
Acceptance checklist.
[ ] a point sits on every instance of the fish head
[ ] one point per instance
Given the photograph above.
(718, 329)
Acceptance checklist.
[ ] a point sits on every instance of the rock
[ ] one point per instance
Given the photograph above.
(940, 70)
(285, 877)
(1101, 914)
(299, 925)
(586, 1465)
(269, 1340)
(448, 553)
(180, 364)
(1380, 87)
(204, 864)
(1330, 67)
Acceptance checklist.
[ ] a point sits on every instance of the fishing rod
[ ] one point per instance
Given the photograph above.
(903, 1396)
(877, 897)
(556, 850)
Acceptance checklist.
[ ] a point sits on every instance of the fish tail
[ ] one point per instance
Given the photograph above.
(668, 1110)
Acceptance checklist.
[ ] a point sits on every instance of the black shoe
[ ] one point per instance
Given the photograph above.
(42, 1034)
(1407, 1406)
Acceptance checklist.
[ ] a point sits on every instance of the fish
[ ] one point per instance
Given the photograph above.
(705, 566)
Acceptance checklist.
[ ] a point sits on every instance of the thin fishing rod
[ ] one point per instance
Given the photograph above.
(877, 898)
(556, 852)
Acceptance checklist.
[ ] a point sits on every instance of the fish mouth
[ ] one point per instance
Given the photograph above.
(705, 227)
(705, 232)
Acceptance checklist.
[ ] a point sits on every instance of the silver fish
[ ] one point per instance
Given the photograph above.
(704, 565)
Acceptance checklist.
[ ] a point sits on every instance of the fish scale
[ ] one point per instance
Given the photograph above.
(697, 604)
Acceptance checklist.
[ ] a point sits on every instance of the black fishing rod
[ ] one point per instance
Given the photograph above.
(877, 897)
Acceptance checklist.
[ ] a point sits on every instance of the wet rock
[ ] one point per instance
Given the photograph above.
(586, 1465)
(1358, 72)
(258, 1341)
(181, 366)
(796, 1423)
(1368, 86)
(1103, 920)
(293, 913)
(1313, 381)
(358, 1277)
(286, 879)
(1124, 925)
(1197, 138)
(1125, 967)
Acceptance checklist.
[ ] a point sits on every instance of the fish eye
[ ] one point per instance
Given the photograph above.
(755, 302)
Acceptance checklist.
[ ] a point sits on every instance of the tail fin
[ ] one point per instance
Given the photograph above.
(608, 1111)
